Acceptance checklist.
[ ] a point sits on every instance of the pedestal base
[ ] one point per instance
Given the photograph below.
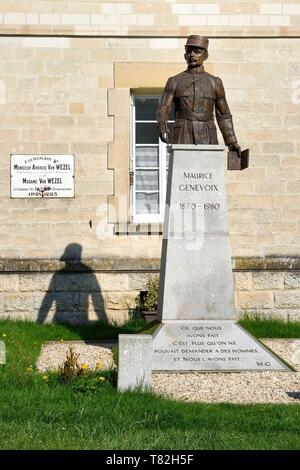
(210, 346)
(196, 281)
(196, 298)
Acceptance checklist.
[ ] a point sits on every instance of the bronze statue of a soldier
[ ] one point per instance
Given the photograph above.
(196, 95)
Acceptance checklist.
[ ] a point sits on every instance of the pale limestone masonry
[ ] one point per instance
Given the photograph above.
(66, 72)
(72, 95)
(163, 18)
(69, 297)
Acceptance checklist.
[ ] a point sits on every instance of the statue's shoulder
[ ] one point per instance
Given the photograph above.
(180, 80)
(215, 81)
(177, 80)
(179, 77)
(210, 76)
(183, 74)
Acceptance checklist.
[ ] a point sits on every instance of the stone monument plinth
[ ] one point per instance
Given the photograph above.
(196, 274)
(196, 311)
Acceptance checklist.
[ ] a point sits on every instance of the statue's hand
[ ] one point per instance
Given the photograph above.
(164, 134)
(235, 148)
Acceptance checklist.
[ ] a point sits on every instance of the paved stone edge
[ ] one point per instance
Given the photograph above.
(140, 265)
(152, 31)
(84, 265)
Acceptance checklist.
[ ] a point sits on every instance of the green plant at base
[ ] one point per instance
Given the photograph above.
(81, 378)
(70, 368)
(149, 301)
(269, 328)
(50, 415)
(94, 382)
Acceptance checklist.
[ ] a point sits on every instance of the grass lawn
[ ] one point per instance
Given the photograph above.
(271, 328)
(86, 413)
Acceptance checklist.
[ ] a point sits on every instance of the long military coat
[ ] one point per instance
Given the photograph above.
(196, 96)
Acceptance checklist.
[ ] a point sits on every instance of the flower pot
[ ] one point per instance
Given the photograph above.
(148, 316)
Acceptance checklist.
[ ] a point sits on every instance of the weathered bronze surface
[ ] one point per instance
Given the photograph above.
(196, 95)
(234, 162)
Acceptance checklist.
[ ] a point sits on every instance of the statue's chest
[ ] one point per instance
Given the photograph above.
(197, 88)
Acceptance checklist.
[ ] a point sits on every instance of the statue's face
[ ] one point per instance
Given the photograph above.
(195, 56)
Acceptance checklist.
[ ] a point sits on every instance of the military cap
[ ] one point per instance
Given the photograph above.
(198, 41)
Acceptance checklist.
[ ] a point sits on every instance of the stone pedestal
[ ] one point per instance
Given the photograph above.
(135, 356)
(196, 274)
(196, 298)
(209, 346)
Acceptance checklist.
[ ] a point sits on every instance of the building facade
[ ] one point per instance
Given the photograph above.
(83, 78)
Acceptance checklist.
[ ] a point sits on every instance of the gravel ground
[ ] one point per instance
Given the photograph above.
(212, 387)
(53, 354)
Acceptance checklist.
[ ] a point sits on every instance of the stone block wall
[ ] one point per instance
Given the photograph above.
(72, 95)
(48, 292)
(268, 294)
(73, 298)
(160, 18)
(66, 72)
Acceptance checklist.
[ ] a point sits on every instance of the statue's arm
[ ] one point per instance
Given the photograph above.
(224, 117)
(163, 110)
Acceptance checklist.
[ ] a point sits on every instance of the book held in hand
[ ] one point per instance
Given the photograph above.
(234, 162)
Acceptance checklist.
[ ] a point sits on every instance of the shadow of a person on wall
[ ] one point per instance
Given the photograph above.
(73, 292)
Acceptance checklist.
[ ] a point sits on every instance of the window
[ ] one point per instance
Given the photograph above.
(149, 161)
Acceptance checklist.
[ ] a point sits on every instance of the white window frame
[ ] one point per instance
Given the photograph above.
(162, 153)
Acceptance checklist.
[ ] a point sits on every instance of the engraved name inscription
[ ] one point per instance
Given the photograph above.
(198, 187)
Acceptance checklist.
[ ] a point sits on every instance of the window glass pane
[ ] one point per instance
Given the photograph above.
(146, 133)
(147, 180)
(145, 108)
(146, 156)
(147, 203)
(147, 185)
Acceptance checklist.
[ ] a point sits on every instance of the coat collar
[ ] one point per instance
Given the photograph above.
(198, 71)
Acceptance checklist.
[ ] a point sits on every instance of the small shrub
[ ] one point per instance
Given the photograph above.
(90, 384)
(94, 382)
(115, 354)
(83, 379)
(148, 300)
